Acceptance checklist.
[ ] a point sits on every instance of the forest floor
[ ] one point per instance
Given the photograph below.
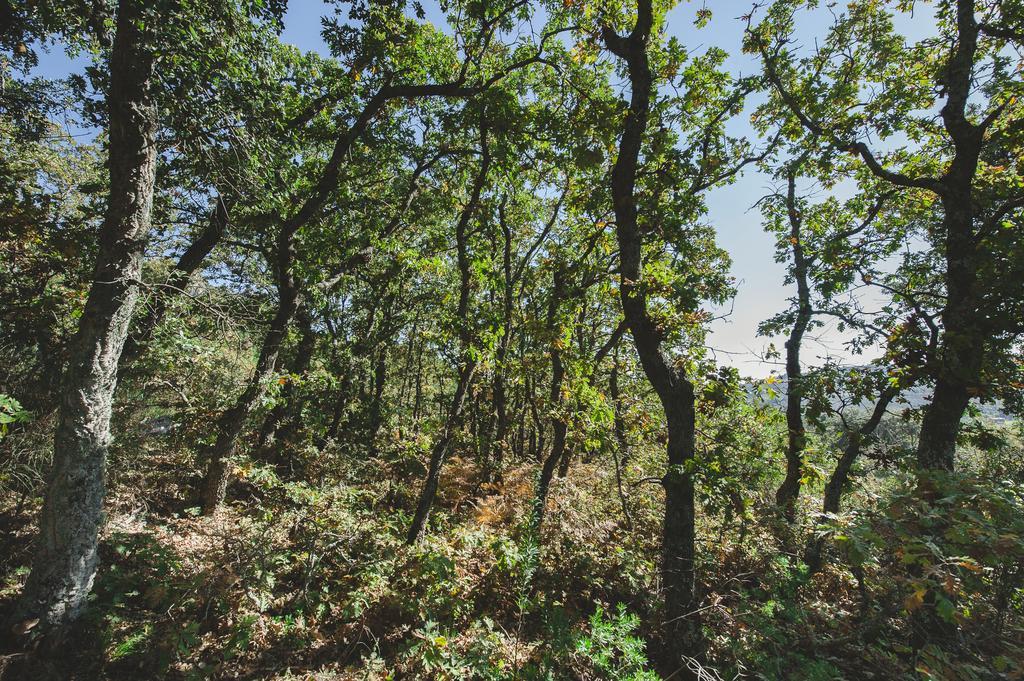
(295, 581)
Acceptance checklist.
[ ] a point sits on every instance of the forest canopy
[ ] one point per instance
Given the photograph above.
(392, 359)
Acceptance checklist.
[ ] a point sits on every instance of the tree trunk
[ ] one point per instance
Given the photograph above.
(65, 559)
(682, 632)
(852, 447)
(499, 444)
(284, 424)
(620, 452)
(788, 493)
(229, 425)
(499, 441)
(962, 345)
(559, 427)
(679, 530)
(380, 374)
(468, 364)
(519, 404)
(439, 454)
(537, 429)
(564, 461)
(417, 405)
(410, 361)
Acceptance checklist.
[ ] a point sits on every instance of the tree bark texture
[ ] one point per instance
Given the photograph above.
(65, 560)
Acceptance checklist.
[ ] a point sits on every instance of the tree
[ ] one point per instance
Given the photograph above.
(468, 353)
(956, 164)
(388, 62)
(692, 160)
(674, 388)
(65, 562)
(810, 240)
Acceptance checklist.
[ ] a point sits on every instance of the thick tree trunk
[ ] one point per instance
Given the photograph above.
(961, 350)
(963, 339)
(65, 560)
(682, 633)
(679, 530)
(940, 425)
(547, 471)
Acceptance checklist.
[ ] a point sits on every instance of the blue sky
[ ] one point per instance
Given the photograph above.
(761, 292)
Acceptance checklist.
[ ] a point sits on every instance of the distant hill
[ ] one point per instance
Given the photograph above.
(914, 397)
